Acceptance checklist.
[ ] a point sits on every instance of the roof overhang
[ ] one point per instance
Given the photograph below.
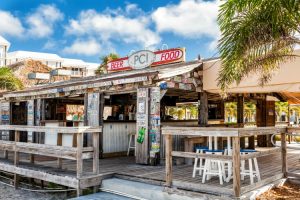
(164, 71)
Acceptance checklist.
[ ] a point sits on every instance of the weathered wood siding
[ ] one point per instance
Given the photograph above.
(115, 136)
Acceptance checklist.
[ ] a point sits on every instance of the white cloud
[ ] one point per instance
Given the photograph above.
(10, 25)
(41, 22)
(84, 47)
(190, 18)
(108, 26)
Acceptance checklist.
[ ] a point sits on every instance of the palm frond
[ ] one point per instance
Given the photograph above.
(257, 35)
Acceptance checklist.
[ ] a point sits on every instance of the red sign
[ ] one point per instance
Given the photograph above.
(161, 58)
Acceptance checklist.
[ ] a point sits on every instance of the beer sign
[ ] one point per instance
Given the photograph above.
(146, 58)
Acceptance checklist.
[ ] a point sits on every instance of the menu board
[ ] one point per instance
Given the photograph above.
(75, 112)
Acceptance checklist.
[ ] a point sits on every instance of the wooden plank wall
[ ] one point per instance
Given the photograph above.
(116, 136)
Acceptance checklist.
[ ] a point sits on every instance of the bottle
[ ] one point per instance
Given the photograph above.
(141, 135)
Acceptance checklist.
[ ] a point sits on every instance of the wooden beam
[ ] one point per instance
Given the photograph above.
(283, 155)
(79, 164)
(261, 183)
(203, 114)
(70, 130)
(201, 155)
(261, 153)
(169, 173)
(96, 153)
(79, 155)
(59, 143)
(236, 162)
(211, 189)
(101, 112)
(240, 117)
(42, 175)
(16, 159)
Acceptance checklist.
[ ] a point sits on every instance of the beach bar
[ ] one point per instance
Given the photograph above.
(119, 124)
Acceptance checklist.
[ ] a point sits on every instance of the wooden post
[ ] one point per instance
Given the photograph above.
(85, 119)
(240, 117)
(203, 111)
(59, 143)
(96, 153)
(79, 167)
(16, 160)
(288, 116)
(100, 137)
(283, 155)
(236, 162)
(96, 157)
(261, 120)
(79, 155)
(169, 173)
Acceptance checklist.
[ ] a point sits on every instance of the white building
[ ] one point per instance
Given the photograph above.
(77, 68)
(49, 59)
(92, 69)
(4, 46)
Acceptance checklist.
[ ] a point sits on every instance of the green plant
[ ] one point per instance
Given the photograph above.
(102, 69)
(8, 81)
(297, 138)
(257, 35)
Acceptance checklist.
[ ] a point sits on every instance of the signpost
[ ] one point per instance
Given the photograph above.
(146, 58)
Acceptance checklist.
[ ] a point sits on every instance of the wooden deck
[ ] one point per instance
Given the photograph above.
(125, 167)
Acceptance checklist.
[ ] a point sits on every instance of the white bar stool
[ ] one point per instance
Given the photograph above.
(199, 167)
(213, 167)
(252, 172)
(228, 152)
(130, 146)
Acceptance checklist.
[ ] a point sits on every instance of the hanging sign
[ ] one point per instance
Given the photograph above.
(141, 59)
(146, 58)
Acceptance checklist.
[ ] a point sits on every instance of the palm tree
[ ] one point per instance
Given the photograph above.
(257, 35)
(8, 81)
(102, 69)
(280, 108)
(230, 111)
(194, 111)
(249, 111)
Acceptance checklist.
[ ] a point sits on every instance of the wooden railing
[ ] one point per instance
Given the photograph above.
(77, 153)
(235, 134)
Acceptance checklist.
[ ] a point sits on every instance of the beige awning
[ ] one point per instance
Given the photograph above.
(286, 80)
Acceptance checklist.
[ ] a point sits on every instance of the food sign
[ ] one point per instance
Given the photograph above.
(146, 58)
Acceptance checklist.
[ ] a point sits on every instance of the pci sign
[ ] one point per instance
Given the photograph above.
(141, 59)
(145, 58)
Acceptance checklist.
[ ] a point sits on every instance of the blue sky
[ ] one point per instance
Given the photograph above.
(88, 29)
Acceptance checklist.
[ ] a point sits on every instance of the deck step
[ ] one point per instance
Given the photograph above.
(148, 191)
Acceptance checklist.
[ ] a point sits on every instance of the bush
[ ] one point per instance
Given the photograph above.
(297, 138)
(277, 137)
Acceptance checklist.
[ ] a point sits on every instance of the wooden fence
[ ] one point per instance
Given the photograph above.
(77, 153)
(235, 134)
